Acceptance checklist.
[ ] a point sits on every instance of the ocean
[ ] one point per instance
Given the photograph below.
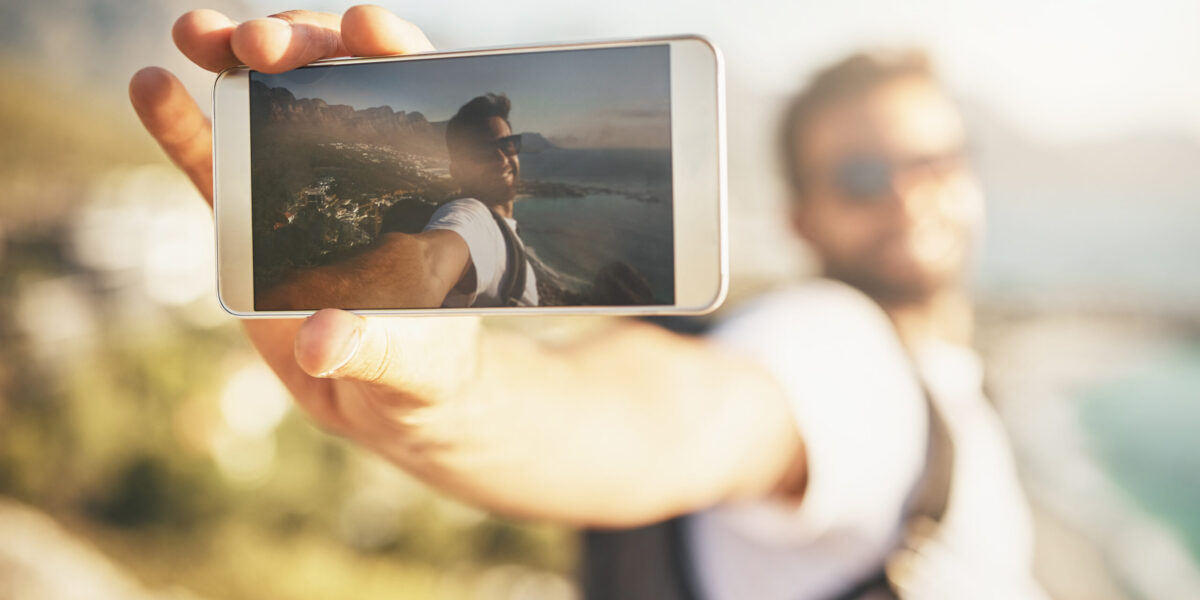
(1142, 426)
(623, 214)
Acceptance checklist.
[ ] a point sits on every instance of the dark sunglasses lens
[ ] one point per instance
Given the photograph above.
(863, 179)
(511, 144)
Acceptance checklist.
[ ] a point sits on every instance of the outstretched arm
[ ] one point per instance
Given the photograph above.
(627, 427)
(400, 271)
(622, 428)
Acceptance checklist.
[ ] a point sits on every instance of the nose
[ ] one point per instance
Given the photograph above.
(914, 194)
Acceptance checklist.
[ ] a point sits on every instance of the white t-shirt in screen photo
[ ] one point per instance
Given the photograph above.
(472, 220)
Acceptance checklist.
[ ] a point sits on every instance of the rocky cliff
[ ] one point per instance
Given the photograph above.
(278, 111)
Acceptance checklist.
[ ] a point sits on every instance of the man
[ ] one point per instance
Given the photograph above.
(469, 253)
(883, 192)
(794, 436)
(484, 161)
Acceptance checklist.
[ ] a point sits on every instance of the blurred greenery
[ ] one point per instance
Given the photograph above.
(113, 425)
(58, 136)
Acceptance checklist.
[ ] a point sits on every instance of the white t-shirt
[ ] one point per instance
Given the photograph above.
(473, 221)
(863, 418)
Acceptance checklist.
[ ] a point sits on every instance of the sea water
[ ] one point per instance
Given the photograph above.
(625, 215)
(1142, 426)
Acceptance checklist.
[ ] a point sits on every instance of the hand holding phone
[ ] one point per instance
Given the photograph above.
(340, 367)
(496, 419)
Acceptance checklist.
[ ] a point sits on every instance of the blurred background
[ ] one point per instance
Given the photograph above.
(145, 452)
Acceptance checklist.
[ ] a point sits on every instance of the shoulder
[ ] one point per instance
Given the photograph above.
(824, 340)
(814, 312)
(460, 209)
(469, 218)
(855, 399)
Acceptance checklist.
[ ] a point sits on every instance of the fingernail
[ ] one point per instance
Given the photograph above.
(347, 347)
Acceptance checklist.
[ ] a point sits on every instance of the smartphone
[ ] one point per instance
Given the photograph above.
(565, 178)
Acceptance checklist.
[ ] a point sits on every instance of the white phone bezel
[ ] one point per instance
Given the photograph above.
(698, 183)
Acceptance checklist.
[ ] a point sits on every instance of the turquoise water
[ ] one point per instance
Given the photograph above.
(1145, 428)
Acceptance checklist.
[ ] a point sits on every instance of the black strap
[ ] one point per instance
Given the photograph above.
(512, 286)
(644, 563)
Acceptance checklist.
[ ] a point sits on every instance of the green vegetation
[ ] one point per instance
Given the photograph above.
(115, 427)
(112, 435)
(56, 138)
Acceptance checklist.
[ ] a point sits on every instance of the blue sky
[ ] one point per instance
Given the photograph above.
(613, 97)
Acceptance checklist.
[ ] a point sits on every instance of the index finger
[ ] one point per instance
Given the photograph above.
(374, 31)
(203, 36)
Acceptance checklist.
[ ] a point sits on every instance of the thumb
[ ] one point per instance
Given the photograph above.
(425, 356)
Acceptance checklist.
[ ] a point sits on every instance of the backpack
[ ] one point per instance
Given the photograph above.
(512, 285)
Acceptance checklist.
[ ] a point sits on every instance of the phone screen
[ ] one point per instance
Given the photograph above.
(553, 167)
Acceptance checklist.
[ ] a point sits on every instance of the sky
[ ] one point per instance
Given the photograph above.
(1063, 70)
(1068, 77)
(615, 97)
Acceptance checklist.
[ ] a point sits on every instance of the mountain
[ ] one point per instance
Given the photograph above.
(1103, 219)
(534, 142)
(277, 111)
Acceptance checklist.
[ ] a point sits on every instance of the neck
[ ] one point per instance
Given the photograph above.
(500, 206)
(944, 316)
(504, 209)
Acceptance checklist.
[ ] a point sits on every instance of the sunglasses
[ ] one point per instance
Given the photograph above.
(864, 179)
(510, 145)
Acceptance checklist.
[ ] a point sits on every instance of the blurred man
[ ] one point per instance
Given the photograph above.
(469, 253)
(799, 437)
(882, 191)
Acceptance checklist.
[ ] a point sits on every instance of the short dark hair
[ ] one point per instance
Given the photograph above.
(473, 116)
(848, 78)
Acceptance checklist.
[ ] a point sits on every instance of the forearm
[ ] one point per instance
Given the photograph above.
(391, 274)
(637, 426)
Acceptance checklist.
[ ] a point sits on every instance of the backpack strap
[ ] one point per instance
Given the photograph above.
(644, 563)
(512, 286)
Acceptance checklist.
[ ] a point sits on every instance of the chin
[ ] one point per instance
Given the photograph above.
(496, 193)
(891, 282)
